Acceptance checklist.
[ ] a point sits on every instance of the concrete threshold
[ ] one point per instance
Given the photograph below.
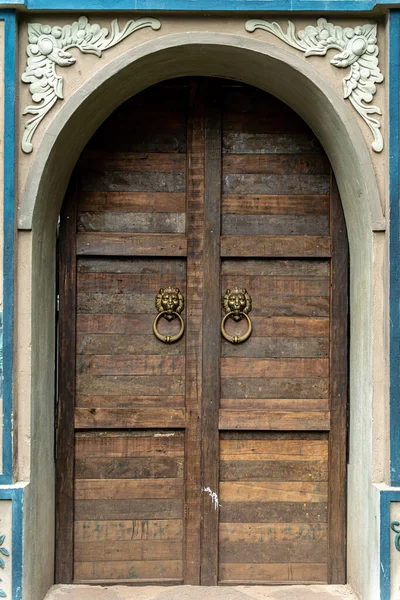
(188, 592)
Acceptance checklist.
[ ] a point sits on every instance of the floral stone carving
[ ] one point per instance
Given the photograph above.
(4, 552)
(358, 50)
(48, 48)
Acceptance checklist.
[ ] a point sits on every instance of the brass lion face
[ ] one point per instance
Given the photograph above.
(169, 300)
(236, 301)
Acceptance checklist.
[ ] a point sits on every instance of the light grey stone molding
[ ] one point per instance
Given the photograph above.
(48, 48)
(358, 50)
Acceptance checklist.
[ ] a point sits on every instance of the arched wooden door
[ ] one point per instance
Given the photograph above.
(202, 461)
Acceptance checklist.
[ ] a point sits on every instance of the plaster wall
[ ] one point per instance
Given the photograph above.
(179, 49)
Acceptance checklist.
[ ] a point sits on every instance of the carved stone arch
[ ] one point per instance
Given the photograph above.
(276, 71)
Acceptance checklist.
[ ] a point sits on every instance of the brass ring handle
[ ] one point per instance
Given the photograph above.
(237, 339)
(168, 339)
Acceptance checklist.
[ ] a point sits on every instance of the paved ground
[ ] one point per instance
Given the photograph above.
(187, 592)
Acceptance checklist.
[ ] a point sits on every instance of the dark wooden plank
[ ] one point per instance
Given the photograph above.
(272, 446)
(275, 184)
(130, 244)
(111, 531)
(271, 347)
(132, 181)
(211, 333)
(144, 283)
(303, 404)
(194, 332)
(338, 385)
(281, 552)
(128, 443)
(131, 365)
(66, 389)
(258, 225)
(156, 266)
(269, 143)
(268, 574)
(274, 367)
(275, 246)
(103, 418)
(108, 468)
(133, 222)
(279, 470)
(275, 163)
(276, 268)
(126, 344)
(136, 161)
(143, 202)
(260, 204)
(275, 387)
(118, 401)
(273, 512)
(102, 510)
(274, 419)
(277, 286)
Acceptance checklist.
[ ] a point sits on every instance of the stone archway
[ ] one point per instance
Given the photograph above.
(278, 72)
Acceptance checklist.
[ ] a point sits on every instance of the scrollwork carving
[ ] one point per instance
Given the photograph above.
(358, 50)
(48, 49)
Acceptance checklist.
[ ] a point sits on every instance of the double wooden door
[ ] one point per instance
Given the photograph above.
(202, 461)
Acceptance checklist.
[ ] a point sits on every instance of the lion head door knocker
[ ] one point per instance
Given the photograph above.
(169, 303)
(237, 305)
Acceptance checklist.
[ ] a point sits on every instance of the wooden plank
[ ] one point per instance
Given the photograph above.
(270, 347)
(275, 246)
(211, 333)
(273, 204)
(128, 550)
(291, 387)
(143, 202)
(66, 389)
(275, 184)
(273, 512)
(133, 222)
(104, 510)
(134, 161)
(278, 552)
(102, 418)
(142, 265)
(128, 571)
(129, 401)
(278, 470)
(282, 225)
(239, 436)
(273, 267)
(124, 384)
(273, 532)
(338, 385)
(105, 303)
(194, 331)
(274, 419)
(130, 244)
(274, 367)
(295, 448)
(273, 491)
(237, 573)
(127, 344)
(132, 181)
(269, 143)
(290, 326)
(303, 404)
(145, 283)
(122, 324)
(110, 531)
(107, 468)
(104, 364)
(104, 489)
(274, 163)
(279, 286)
(127, 443)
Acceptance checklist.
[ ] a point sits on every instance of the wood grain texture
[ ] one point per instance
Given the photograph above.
(274, 419)
(103, 418)
(128, 244)
(275, 246)
(66, 388)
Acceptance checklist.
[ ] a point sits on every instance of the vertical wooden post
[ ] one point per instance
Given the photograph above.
(338, 392)
(194, 308)
(211, 334)
(66, 389)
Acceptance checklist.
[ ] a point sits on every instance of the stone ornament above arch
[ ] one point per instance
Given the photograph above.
(48, 48)
(358, 50)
